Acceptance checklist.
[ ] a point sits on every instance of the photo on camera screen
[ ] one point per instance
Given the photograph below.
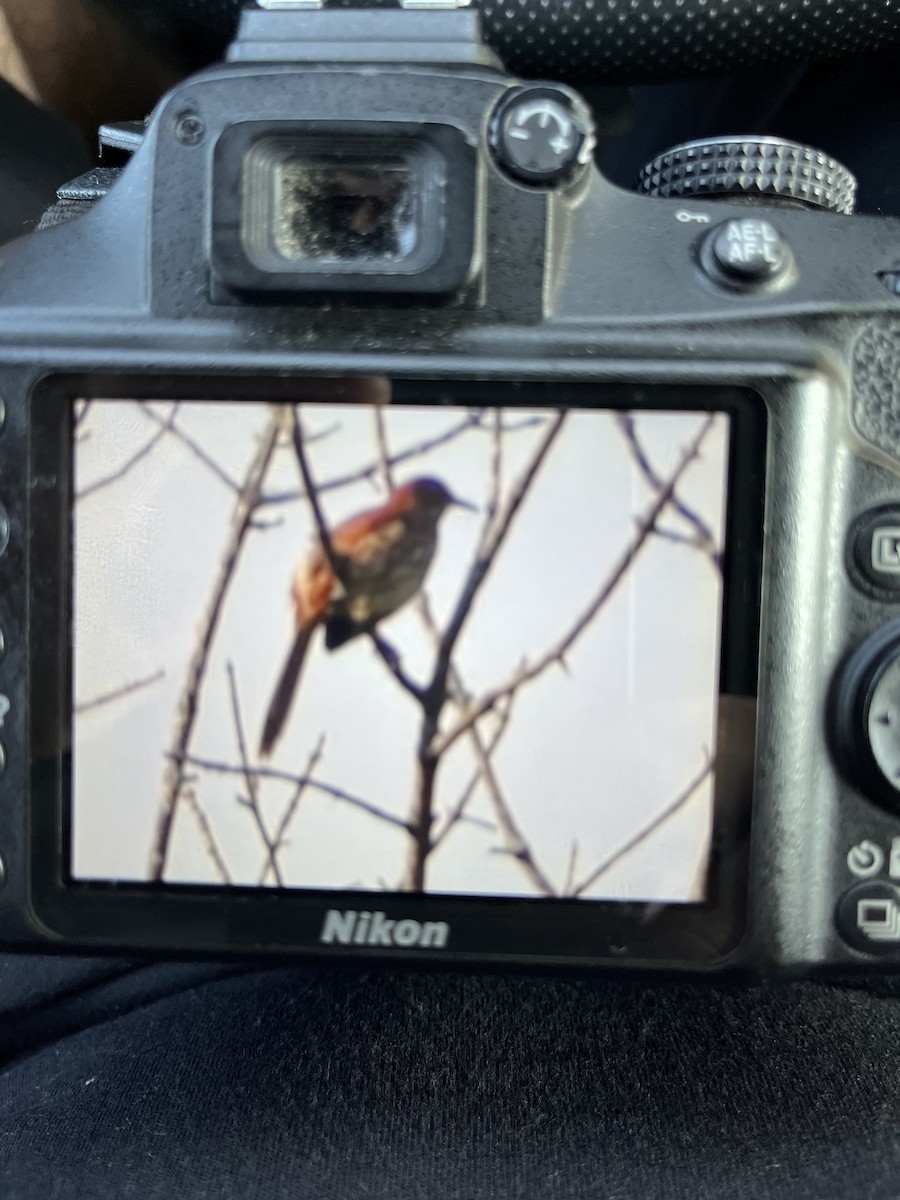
(469, 651)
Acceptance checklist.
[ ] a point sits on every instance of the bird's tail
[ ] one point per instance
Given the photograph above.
(284, 693)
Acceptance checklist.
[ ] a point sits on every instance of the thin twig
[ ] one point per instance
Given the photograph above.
(383, 451)
(316, 785)
(118, 693)
(370, 470)
(493, 504)
(193, 446)
(252, 801)
(669, 811)
(290, 812)
(391, 659)
(244, 509)
(206, 834)
(557, 653)
(312, 495)
(92, 488)
(515, 844)
(570, 870)
(705, 539)
(458, 812)
(485, 558)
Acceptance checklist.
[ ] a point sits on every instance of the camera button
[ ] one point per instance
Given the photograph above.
(749, 251)
(4, 530)
(2, 412)
(2, 644)
(868, 917)
(874, 550)
(2, 758)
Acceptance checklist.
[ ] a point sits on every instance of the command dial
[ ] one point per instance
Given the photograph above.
(865, 716)
(769, 170)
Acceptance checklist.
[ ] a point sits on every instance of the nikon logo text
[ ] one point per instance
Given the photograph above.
(352, 928)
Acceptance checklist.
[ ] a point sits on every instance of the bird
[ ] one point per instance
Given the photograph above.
(382, 556)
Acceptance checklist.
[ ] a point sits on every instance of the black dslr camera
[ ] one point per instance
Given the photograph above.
(414, 547)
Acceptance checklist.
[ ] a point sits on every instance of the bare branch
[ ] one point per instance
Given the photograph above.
(704, 539)
(280, 838)
(92, 488)
(316, 785)
(569, 885)
(493, 504)
(514, 843)
(252, 802)
(392, 661)
(312, 495)
(483, 560)
(82, 408)
(244, 509)
(118, 693)
(193, 446)
(633, 842)
(458, 812)
(556, 654)
(371, 470)
(384, 453)
(206, 834)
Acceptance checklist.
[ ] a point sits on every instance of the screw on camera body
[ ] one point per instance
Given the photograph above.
(189, 128)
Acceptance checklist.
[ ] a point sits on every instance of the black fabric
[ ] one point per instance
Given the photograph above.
(189, 1082)
(618, 42)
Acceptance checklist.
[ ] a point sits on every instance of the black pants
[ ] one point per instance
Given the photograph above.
(180, 1081)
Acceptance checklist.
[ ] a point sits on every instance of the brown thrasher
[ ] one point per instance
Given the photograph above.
(383, 556)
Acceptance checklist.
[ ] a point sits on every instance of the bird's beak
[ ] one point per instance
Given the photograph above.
(455, 500)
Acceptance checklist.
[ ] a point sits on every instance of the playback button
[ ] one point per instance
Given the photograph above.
(873, 550)
(868, 917)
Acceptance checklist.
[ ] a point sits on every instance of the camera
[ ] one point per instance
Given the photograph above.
(417, 549)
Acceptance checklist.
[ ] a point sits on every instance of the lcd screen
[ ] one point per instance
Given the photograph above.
(395, 647)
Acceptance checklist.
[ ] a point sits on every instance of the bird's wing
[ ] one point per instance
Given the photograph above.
(314, 584)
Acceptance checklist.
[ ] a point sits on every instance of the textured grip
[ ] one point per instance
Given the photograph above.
(876, 386)
(758, 167)
(616, 41)
(635, 40)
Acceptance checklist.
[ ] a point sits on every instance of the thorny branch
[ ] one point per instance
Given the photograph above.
(192, 445)
(280, 838)
(436, 694)
(485, 558)
(244, 509)
(446, 684)
(251, 801)
(669, 811)
(474, 420)
(119, 693)
(704, 538)
(206, 833)
(98, 485)
(557, 653)
(316, 785)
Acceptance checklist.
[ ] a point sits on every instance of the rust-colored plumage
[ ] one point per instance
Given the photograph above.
(383, 556)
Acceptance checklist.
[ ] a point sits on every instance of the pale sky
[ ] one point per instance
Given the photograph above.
(591, 754)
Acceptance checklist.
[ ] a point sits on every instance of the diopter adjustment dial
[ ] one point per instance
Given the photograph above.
(770, 170)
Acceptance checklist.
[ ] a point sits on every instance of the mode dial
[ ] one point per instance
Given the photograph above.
(766, 169)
